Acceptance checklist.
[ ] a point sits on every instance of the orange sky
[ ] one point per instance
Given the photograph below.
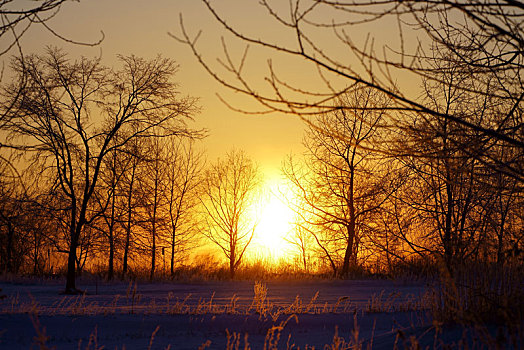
(141, 28)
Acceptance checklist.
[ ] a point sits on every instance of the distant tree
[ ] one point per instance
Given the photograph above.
(24, 238)
(152, 186)
(343, 183)
(302, 240)
(183, 183)
(230, 187)
(13, 240)
(107, 197)
(132, 158)
(71, 111)
(505, 203)
(166, 196)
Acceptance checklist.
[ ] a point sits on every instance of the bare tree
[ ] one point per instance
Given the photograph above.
(301, 239)
(183, 180)
(24, 239)
(506, 203)
(480, 37)
(448, 187)
(152, 186)
(13, 240)
(107, 197)
(17, 19)
(130, 201)
(166, 196)
(343, 182)
(71, 111)
(230, 188)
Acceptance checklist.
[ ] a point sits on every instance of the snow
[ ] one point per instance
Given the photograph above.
(186, 315)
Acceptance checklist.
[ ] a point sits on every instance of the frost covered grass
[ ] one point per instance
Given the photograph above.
(361, 314)
(132, 302)
(480, 294)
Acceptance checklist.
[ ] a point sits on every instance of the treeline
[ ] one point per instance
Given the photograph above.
(103, 174)
(415, 147)
(416, 197)
(103, 153)
(143, 207)
(100, 171)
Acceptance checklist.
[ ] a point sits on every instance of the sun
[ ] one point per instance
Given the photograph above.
(275, 224)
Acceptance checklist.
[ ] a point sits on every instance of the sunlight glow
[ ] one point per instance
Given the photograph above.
(275, 224)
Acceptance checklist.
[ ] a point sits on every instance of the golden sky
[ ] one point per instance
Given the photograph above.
(141, 28)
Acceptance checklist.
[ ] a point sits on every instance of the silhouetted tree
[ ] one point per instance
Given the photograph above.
(230, 188)
(453, 73)
(13, 240)
(447, 187)
(343, 183)
(183, 180)
(152, 186)
(132, 157)
(71, 111)
(24, 237)
(301, 239)
(107, 197)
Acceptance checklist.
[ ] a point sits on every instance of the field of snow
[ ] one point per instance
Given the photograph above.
(187, 315)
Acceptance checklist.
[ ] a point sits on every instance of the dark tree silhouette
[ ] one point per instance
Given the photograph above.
(230, 187)
(71, 111)
(133, 156)
(183, 182)
(152, 186)
(343, 182)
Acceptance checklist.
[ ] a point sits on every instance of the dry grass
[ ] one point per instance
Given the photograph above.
(273, 339)
(487, 302)
(480, 294)
(395, 302)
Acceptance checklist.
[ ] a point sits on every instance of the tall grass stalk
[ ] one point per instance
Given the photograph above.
(480, 294)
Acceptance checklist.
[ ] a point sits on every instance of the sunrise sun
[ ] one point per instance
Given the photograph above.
(275, 224)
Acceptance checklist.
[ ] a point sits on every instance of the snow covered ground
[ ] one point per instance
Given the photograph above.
(187, 315)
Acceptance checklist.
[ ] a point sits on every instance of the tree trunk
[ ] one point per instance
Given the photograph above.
(75, 230)
(304, 260)
(231, 268)
(153, 258)
(448, 240)
(153, 228)
(173, 254)
(110, 269)
(129, 215)
(500, 242)
(232, 258)
(10, 238)
(348, 255)
(71, 264)
(35, 256)
(126, 250)
(173, 234)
